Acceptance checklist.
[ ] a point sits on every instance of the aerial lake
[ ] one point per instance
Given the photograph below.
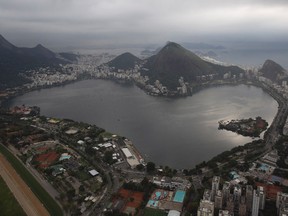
(178, 132)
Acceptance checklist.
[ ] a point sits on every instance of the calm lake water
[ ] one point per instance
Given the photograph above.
(176, 132)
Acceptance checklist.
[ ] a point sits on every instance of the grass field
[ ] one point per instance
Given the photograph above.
(106, 134)
(154, 212)
(37, 189)
(8, 204)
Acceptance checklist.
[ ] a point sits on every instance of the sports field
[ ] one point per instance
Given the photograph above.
(8, 203)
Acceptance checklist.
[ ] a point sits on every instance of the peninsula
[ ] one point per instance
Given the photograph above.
(246, 127)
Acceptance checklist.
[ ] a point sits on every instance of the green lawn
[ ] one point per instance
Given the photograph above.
(82, 175)
(49, 203)
(8, 204)
(154, 212)
(106, 134)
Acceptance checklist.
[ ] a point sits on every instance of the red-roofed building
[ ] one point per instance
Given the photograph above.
(271, 190)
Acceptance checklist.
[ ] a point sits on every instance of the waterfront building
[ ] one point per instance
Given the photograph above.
(206, 208)
(215, 186)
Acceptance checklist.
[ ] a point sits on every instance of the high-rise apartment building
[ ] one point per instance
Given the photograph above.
(215, 186)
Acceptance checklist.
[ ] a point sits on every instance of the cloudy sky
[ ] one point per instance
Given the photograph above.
(110, 23)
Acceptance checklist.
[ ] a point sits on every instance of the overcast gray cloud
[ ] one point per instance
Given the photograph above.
(100, 23)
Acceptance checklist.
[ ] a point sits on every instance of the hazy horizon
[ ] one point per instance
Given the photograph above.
(100, 24)
(259, 26)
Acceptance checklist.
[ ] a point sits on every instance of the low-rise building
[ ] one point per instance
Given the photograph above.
(225, 213)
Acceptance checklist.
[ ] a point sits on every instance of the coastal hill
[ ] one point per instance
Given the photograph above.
(15, 60)
(124, 61)
(272, 70)
(38, 53)
(173, 61)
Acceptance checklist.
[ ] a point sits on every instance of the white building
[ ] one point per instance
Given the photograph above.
(225, 213)
(93, 172)
(283, 211)
(206, 208)
(127, 152)
(174, 213)
(282, 198)
(258, 200)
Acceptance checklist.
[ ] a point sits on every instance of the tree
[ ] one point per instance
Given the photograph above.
(185, 172)
(70, 194)
(140, 167)
(81, 188)
(108, 157)
(150, 167)
(89, 150)
(232, 163)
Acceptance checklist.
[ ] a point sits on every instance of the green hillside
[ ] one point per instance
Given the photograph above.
(173, 61)
(124, 61)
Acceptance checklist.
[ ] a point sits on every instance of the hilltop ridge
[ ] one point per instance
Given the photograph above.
(272, 70)
(15, 60)
(174, 61)
(124, 61)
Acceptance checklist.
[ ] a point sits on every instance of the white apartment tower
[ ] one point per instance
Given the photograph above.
(282, 203)
(262, 198)
(282, 198)
(258, 200)
(283, 210)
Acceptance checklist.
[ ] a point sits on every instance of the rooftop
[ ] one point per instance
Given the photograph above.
(93, 172)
